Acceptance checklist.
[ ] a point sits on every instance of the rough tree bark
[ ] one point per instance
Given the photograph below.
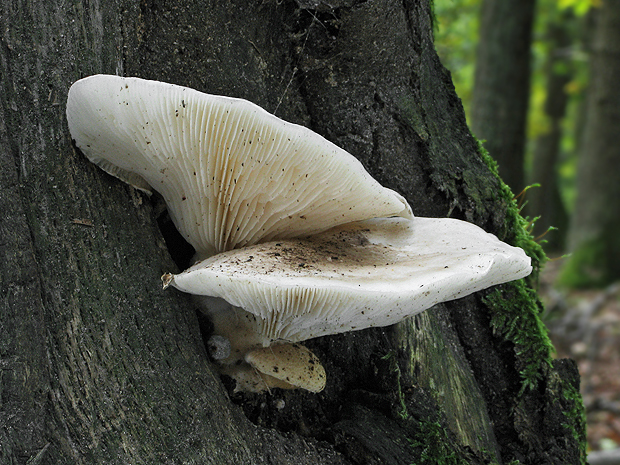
(98, 365)
(595, 224)
(502, 84)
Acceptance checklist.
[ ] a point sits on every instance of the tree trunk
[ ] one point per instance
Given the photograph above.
(545, 201)
(595, 223)
(502, 84)
(98, 365)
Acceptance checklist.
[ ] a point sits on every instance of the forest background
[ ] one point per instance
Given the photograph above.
(537, 83)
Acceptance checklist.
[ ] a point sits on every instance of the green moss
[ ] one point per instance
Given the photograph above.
(515, 307)
(517, 228)
(575, 414)
(515, 315)
(410, 112)
(402, 411)
(433, 16)
(434, 445)
(576, 419)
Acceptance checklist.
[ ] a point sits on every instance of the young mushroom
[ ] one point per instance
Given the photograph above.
(293, 238)
(282, 365)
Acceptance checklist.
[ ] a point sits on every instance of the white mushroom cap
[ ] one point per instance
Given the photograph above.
(231, 173)
(369, 273)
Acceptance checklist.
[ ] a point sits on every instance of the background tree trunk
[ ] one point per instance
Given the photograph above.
(98, 365)
(502, 84)
(545, 201)
(595, 223)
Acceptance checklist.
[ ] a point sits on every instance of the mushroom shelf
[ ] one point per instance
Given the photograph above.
(293, 238)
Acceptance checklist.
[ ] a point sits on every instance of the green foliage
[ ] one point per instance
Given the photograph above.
(456, 38)
(579, 7)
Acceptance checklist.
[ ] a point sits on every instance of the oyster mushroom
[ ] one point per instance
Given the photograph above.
(294, 235)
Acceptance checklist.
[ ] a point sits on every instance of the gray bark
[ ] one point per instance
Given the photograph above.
(98, 365)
